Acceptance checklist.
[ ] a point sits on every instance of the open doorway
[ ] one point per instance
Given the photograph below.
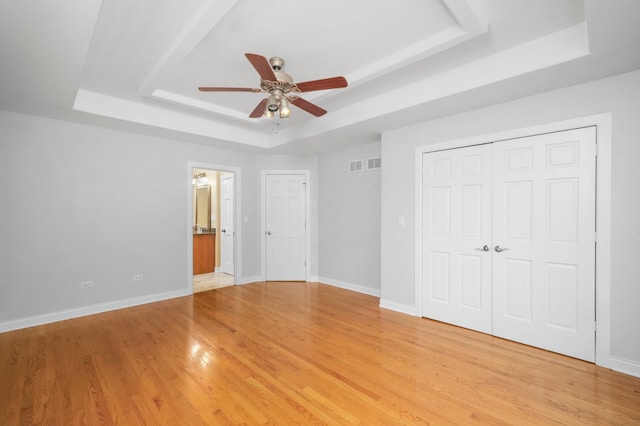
(212, 227)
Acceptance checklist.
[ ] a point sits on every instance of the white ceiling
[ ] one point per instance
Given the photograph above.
(136, 65)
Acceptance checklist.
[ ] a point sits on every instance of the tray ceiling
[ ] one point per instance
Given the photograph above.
(140, 63)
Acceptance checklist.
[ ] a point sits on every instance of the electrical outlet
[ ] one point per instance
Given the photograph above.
(139, 277)
(86, 284)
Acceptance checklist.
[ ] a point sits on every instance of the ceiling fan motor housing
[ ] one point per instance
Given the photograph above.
(276, 63)
(284, 83)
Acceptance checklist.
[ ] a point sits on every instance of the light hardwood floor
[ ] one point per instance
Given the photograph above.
(211, 281)
(293, 353)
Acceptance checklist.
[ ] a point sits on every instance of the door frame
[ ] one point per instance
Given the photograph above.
(236, 214)
(603, 125)
(223, 243)
(263, 224)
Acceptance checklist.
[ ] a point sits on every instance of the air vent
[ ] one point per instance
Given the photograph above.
(374, 163)
(355, 166)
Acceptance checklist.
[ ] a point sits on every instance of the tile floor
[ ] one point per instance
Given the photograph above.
(211, 281)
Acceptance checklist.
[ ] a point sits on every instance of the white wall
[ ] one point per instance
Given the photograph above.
(618, 95)
(349, 220)
(83, 203)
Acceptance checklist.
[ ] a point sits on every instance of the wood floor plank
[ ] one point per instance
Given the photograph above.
(293, 353)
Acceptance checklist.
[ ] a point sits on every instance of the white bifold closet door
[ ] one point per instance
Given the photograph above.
(508, 239)
(456, 260)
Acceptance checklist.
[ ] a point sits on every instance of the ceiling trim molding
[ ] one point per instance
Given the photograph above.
(182, 100)
(469, 25)
(554, 49)
(207, 17)
(544, 52)
(136, 112)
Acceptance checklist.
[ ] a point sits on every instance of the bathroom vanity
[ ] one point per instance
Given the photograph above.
(204, 252)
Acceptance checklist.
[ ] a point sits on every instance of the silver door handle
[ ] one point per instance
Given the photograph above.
(224, 230)
(484, 248)
(498, 249)
(268, 232)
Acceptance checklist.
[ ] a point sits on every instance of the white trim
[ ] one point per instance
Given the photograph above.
(603, 124)
(249, 280)
(349, 286)
(625, 366)
(35, 320)
(237, 199)
(604, 132)
(263, 225)
(399, 307)
(418, 232)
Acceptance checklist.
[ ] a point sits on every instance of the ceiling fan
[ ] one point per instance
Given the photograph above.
(281, 89)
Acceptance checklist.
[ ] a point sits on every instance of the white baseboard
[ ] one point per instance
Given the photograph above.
(349, 286)
(248, 280)
(35, 320)
(313, 279)
(399, 307)
(625, 366)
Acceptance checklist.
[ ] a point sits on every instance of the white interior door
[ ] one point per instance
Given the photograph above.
(541, 237)
(285, 227)
(227, 237)
(456, 237)
(544, 223)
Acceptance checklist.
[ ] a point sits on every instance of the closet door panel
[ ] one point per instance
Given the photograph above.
(543, 228)
(456, 225)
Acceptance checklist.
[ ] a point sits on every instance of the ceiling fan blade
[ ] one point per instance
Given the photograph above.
(323, 84)
(261, 65)
(308, 106)
(257, 113)
(228, 89)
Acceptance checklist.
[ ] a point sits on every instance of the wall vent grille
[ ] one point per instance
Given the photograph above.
(355, 166)
(374, 163)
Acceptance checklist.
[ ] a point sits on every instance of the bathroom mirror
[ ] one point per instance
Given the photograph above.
(203, 206)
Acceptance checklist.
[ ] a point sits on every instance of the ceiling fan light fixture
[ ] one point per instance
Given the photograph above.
(272, 103)
(285, 111)
(267, 113)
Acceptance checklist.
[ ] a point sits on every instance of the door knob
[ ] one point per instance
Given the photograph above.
(498, 249)
(268, 232)
(484, 248)
(224, 230)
